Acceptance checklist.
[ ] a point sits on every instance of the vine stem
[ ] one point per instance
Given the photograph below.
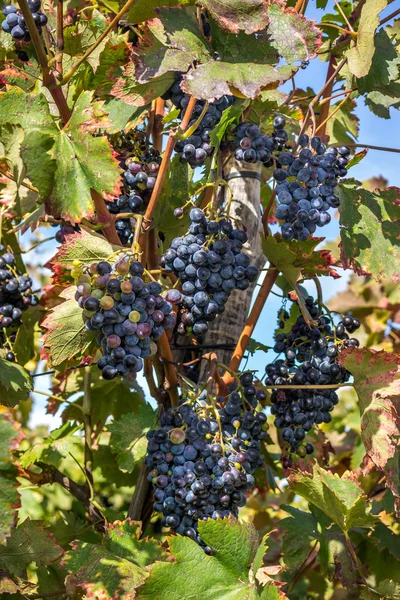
(324, 123)
(250, 324)
(107, 30)
(162, 174)
(382, 148)
(330, 386)
(87, 420)
(49, 80)
(358, 563)
(391, 16)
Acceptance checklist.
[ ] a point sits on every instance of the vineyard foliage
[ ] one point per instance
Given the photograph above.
(168, 474)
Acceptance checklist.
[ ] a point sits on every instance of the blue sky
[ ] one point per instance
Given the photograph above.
(373, 130)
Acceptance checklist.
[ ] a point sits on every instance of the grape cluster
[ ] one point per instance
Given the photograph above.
(203, 458)
(196, 148)
(303, 201)
(251, 146)
(139, 178)
(128, 313)
(210, 263)
(15, 297)
(311, 358)
(14, 22)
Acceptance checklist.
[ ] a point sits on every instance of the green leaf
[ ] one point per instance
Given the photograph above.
(369, 230)
(80, 37)
(341, 499)
(295, 259)
(387, 589)
(10, 437)
(24, 346)
(116, 568)
(128, 89)
(174, 194)
(229, 116)
(343, 127)
(84, 163)
(377, 383)
(293, 36)
(216, 78)
(122, 115)
(15, 383)
(241, 47)
(253, 346)
(299, 530)
(359, 57)
(223, 576)
(87, 246)
(128, 436)
(53, 449)
(170, 43)
(357, 158)
(31, 112)
(143, 10)
(28, 543)
(236, 15)
(383, 74)
(66, 337)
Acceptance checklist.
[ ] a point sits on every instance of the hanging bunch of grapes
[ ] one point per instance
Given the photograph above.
(310, 359)
(203, 457)
(210, 263)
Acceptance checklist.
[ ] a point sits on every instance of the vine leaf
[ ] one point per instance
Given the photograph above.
(10, 438)
(239, 15)
(15, 383)
(242, 47)
(83, 163)
(128, 89)
(298, 259)
(170, 43)
(87, 246)
(114, 569)
(299, 530)
(381, 84)
(369, 230)
(54, 448)
(377, 383)
(293, 36)
(143, 10)
(66, 337)
(217, 78)
(343, 128)
(128, 436)
(223, 575)
(360, 57)
(340, 498)
(28, 543)
(115, 54)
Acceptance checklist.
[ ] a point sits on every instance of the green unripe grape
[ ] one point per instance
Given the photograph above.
(153, 348)
(134, 316)
(84, 278)
(117, 296)
(97, 294)
(301, 452)
(107, 302)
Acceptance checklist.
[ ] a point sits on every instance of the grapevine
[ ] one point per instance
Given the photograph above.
(179, 417)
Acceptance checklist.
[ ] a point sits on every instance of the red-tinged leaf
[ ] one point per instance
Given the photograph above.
(87, 246)
(294, 36)
(140, 94)
(66, 337)
(115, 569)
(377, 383)
(239, 15)
(83, 163)
(29, 542)
(357, 158)
(111, 61)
